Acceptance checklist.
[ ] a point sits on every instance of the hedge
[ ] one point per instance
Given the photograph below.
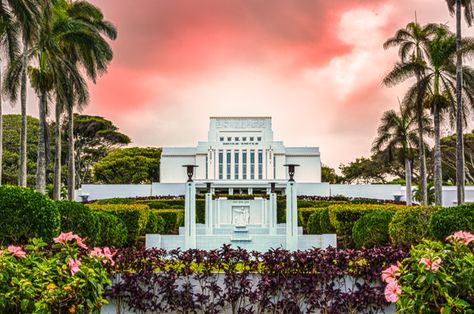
(319, 223)
(371, 230)
(112, 230)
(79, 219)
(134, 216)
(410, 225)
(451, 219)
(173, 219)
(26, 214)
(344, 216)
(155, 224)
(115, 200)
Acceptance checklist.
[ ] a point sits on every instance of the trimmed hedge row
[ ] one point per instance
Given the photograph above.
(26, 214)
(450, 219)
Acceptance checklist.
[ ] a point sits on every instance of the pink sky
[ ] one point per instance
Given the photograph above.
(315, 66)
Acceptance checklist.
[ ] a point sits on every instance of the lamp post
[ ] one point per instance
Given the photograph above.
(273, 209)
(291, 210)
(208, 209)
(190, 209)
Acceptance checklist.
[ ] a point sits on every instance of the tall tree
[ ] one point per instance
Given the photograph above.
(397, 135)
(413, 43)
(437, 86)
(455, 7)
(91, 53)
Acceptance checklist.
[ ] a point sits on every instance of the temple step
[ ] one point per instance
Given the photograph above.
(241, 239)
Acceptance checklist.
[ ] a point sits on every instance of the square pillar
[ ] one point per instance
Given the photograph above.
(209, 213)
(291, 217)
(272, 205)
(190, 216)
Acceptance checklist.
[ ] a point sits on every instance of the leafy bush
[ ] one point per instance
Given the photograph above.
(26, 214)
(112, 230)
(134, 216)
(173, 219)
(436, 277)
(155, 224)
(78, 218)
(303, 216)
(344, 216)
(252, 282)
(60, 279)
(450, 219)
(115, 200)
(410, 225)
(371, 230)
(319, 223)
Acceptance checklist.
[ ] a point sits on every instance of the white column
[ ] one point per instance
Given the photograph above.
(190, 216)
(209, 213)
(291, 217)
(264, 164)
(272, 208)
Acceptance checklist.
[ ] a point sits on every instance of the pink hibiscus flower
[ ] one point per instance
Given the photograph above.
(390, 273)
(105, 253)
(462, 237)
(16, 250)
(69, 236)
(73, 265)
(392, 291)
(431, 265)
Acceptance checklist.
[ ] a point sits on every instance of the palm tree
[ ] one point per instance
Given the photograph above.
(93, 54)
(15, 15)
(413, 43)
(436, 86)
(397, 135)
(454, 7)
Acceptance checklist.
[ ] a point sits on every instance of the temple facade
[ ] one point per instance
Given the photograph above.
(240, 156)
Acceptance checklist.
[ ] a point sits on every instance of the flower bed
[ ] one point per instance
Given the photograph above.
(335, 281)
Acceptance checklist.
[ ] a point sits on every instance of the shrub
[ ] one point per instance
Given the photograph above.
(134, 216)
(318, 222)
(79, 219)
(371, 230)
(155, 223)
(435, 278)
(409, 226)
(344, 216)
(60, 279)
(115, 200)
(450, 219)
(26, 214)
(112, 231)
(179, 204)
(173, 219)
(303, 216)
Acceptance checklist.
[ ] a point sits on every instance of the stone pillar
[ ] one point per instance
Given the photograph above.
(190, 216)
(209, 214)
(291, 217)
(272, 205)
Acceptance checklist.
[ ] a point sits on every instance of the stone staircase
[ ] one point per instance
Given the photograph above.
(240, 234)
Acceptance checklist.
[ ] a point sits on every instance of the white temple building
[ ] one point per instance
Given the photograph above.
(240, 156)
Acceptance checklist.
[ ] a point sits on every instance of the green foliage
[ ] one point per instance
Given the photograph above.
(319, 223)
(79, 219)
(134, 216)
(94, 136)
(42, 282)
(173, 219)
(450, 219)
(445, 287)
(448, 151)
(155, 224)
(364, 170)
(409, 226)
(11, 148)
(344, 216)
(303, 216)
(371, 230)
(129, 166)
(115, 200)
(329, 175)
(112, 230)
(26, 214)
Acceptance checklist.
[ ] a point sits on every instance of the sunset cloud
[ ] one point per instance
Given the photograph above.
(315, 66)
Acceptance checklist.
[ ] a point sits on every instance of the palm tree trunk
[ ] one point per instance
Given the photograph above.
(438, 178)
(41, 162)
(71, 165)
(460, 176)
(22, 176)
(408, 181)
(57, 154)
(421, 148)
